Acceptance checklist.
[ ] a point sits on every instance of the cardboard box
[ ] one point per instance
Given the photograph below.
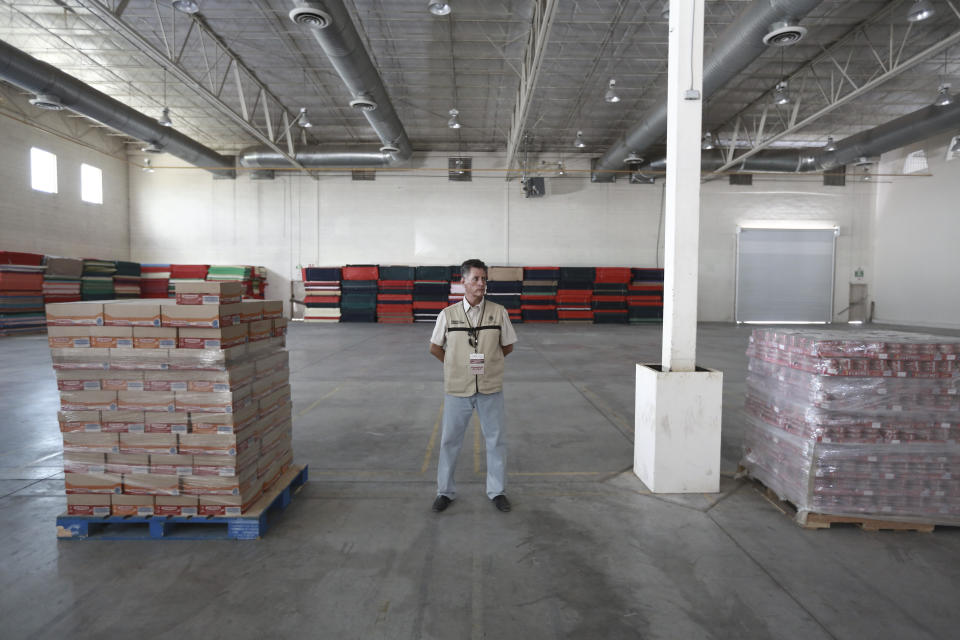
(122, 380)
(139, 359)
(83, 462)
(111, 337)
(122, 421)
(222, 506)
(146, 400)
(88, 400)
(200, 315)
(229, 444)
(92, 482)
(213, 401)
(88, 421)
(143, 484)
(272, 309)
(251, 310)
(189, 293)
(166, 422)
(88, 314)
(148, 443)
(169, 380)
(77, 337)
(269, 384)
(125, 463)
(246, 485)
(154, 338)
(88, 504)
(274, 400)
(260, 330)
(176, 465)
(79, 358)
(272, 363)
(225, 466)
(175, 505)
(79, 379)
(279, 327)
(233, 378)
(132, 314)
(132, 505)
(222, 338)
(91, 442)
(224, 423)
(206, 359)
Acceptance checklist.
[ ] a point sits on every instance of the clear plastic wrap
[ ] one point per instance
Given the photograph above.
(837, 443)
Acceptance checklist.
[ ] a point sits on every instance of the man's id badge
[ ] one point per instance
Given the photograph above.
(476, 364)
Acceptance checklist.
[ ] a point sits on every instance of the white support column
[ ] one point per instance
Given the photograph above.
(682, 229)
(678, 405)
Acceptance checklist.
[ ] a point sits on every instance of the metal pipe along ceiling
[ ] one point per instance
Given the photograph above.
(740, 44)
(36, 76)
(331, 26)
(899, 132)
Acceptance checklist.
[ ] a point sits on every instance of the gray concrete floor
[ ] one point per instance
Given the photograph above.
(587, 552)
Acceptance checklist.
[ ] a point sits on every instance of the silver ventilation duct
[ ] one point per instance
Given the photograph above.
(900, 132)
(56, 87)
(331, 26)
(740, 44)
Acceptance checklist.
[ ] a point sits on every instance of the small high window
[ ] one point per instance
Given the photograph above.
(91, 184)
(43, 170)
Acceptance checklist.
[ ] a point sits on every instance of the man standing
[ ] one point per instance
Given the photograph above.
(471, 339)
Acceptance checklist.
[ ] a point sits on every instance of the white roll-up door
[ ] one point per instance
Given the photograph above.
(785, 275)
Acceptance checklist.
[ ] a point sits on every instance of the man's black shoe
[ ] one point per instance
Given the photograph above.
(501, 503)
(442, 502)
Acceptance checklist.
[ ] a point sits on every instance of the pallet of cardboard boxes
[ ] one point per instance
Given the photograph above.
(175, 407)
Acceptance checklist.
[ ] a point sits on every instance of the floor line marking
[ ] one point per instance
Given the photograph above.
(433, 441)
(477, 600)
(320, 399)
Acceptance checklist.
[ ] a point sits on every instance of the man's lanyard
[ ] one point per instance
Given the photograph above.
(475, 330)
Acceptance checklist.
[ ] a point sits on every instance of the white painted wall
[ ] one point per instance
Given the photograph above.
(61, 223)
(181, 214)
(917, 273)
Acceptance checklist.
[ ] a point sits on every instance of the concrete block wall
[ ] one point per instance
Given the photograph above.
(60, 223)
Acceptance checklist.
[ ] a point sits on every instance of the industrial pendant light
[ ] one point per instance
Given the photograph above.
(186, 6)
(147, 167)
(578, 141)
(302, 120)
(454, 121)
(665, 11)
(164, 118)
(781, 93)
(439, 8)
(707, 141)
(830, 146)
(920, 10)
(611, 94)
(943, 96)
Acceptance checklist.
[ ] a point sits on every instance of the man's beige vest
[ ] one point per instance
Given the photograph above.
(457, 379)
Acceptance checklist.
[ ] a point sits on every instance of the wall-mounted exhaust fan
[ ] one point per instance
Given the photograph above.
(310, 17)
(784, 34)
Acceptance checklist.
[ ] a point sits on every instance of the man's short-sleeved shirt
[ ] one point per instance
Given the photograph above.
(507, 334)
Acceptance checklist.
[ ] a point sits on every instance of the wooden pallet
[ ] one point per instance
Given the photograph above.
(250, 526)
(811, 520)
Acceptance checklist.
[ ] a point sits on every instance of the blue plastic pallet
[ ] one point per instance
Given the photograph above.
(250, 526)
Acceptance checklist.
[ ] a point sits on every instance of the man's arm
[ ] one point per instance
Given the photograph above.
(506, 350)
(437, 351)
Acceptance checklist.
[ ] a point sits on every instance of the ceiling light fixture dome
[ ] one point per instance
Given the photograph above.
(707, 143)
(186, 6)
(439, 8)
(781, 94)
(164, 118)
(302, 120)
(831, 145)
(943, 96)
(611, 94)
(578, 141)
(920, 10)
(454, 121)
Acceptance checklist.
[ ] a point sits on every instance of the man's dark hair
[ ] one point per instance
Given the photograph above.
(472, 263)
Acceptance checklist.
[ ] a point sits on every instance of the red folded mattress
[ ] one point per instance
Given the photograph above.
(19, 257)
(15, 281)
(613, 274)
(360, 273)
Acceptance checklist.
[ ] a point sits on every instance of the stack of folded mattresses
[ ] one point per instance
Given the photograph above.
(188, 273)
(126, 281)
(645, 296)
(538, 298)
(610, 295)
(457, 290)
(61, 280)
(431, 293)
(21, 292)
(359, 300)
(155, 280)
(322, 299)
(574, 295)
(97, 281)
(505, 287)
(395, 294)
